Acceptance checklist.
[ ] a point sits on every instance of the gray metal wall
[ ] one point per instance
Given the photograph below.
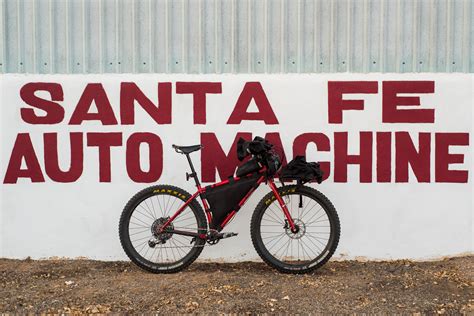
(236, 36)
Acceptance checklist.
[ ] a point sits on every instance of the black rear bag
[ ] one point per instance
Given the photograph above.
(225, 198)
(300, 170)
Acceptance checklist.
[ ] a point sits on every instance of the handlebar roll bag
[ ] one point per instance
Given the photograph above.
(300, 170)
(247, 168)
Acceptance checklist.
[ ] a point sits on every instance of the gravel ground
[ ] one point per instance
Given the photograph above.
(78, 286)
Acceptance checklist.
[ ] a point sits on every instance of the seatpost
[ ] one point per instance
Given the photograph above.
(193, 172)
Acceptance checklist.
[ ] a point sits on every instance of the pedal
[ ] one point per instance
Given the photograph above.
(226, 235)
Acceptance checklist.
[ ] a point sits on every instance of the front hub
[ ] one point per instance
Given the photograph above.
(298, 232)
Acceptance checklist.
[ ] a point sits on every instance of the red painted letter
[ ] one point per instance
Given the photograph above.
(342, 158)
(406, 153)
(51, 158)
(336, 90)
(444, 158)
(214, 158)
(104, 141)
(54, 111)
(155, 157)
(94, 92)
(391, 101)
(322, 143)
(129, 93)
(23, 149)
(253, 91)
(199, 91)
(384, 156)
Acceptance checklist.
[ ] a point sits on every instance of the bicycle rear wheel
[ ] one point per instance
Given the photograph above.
(141, 219)
(316, 238)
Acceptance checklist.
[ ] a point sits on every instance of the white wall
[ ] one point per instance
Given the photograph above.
(378, 220)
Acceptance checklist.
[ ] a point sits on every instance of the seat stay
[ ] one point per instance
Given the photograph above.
(179, 211)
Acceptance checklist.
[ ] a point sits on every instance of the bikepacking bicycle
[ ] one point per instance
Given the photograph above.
(294, 228)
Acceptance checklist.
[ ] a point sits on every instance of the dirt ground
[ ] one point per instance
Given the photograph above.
(62, 286)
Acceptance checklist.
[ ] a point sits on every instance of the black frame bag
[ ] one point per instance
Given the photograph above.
(225, 198)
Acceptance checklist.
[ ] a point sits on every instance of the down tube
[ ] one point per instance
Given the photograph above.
(241, 203)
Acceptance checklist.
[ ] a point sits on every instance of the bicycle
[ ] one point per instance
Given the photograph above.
(294, 227)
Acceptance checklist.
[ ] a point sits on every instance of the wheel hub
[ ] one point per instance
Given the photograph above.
(300, 229)
(156, 227)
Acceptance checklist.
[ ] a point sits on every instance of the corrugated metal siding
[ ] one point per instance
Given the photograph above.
(236, 36)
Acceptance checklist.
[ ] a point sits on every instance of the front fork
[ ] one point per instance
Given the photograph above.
(290, 221)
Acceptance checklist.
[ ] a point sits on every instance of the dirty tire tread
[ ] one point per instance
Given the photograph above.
(331, 212)
(126, 213)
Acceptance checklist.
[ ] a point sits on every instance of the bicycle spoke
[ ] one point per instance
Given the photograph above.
(147, 225)
(274, 236)
(154, 210)
(276, 215)
(153, 206)
(309, 211)
(159, 204)
(283, 247)
(138, 225)
(268, 220)
(312, 216)
(318, 239)
(276, 242)
(305, 243)
(314, 244)
(318, 221)
(171, 207)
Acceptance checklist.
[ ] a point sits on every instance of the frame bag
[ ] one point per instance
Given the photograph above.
(300, 170)
(225, 198)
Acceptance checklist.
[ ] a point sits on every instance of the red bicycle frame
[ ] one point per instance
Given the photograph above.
(201, 190)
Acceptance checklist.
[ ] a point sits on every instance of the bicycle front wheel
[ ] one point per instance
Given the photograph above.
(316, 236)
(140, 224)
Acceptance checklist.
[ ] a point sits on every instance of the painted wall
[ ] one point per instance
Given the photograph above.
(411, 196)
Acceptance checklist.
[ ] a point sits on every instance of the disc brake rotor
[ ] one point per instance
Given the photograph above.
(300, 231)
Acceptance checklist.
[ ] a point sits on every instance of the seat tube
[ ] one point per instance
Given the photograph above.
(193, 172)
(282, 204)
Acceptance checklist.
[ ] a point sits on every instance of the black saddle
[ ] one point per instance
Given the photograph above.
(186, 149)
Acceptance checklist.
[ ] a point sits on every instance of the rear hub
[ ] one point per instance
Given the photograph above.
(165, 234)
